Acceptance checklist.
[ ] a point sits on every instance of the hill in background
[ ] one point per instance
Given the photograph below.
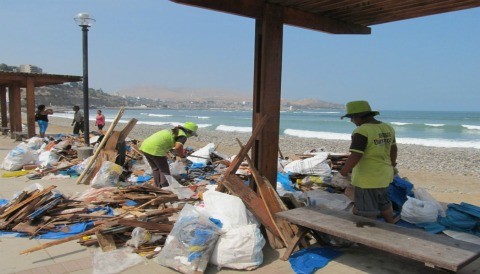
(70, 94)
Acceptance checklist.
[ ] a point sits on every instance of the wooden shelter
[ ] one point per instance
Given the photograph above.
(330, 16)
(13, 82)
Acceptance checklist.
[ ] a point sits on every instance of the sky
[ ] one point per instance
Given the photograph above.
(429, 63)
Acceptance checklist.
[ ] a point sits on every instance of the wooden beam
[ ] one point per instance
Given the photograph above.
(247, 8)
(232, 169)
(251, 200)
(294, 17)
(30, 107)
(307, 20)
(267, 90)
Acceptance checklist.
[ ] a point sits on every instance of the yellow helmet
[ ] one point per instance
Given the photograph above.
(192, 127)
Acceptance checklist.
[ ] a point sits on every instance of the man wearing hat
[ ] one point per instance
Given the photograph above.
(156, 147)
(373, 155)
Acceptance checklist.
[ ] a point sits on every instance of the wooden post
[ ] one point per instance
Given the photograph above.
(3, 105)
(267, 89)
(15, 110)
(30, 107)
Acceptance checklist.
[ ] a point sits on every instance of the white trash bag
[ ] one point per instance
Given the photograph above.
(416, 211)
(107, 175)
(191, 242)
(19, 156)
(422, 194)
(316, 165)
(239, 248)
(203, 154)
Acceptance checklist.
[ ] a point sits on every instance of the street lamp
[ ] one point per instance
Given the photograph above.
(84, 20)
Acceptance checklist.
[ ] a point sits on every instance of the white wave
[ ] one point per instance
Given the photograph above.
(317, 134)
(439, 143)
(199, 117)
(159, 115)
(471, 127)
(173, 124)
(62, 115)
(406, 141)
(400, 123)
(322, 112)
(435, 125)
(233, 128)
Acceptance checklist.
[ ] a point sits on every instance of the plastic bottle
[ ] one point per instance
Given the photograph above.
(140, 236)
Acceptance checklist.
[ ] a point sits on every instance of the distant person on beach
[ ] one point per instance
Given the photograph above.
(100, 120)
(78, 120)
(157, 145)
(373, 156)
(41, 116)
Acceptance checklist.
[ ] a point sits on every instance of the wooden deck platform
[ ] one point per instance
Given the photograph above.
(438, 251)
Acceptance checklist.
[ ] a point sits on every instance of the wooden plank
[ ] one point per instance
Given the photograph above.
(87, 170)
(251, 200)
(273, 204)
(26, 201)
(126, 130)
(106, 241)
(164, 227)
(244, 151)
(435, 250)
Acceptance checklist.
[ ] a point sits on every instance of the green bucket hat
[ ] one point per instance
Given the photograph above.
(358, 107)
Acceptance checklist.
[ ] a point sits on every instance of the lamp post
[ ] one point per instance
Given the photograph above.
(84, 20)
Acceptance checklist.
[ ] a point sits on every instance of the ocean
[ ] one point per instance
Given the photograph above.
(428, 128)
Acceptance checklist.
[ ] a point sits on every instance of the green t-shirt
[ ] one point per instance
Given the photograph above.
(374, 170)
(159, 143)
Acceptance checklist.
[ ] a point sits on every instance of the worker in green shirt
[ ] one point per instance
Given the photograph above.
(373, 155)
(156, 147)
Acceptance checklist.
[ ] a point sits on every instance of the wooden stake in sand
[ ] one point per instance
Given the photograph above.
(100, 146)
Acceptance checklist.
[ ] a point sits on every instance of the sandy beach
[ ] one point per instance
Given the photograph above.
(451, 175)
(442, 172)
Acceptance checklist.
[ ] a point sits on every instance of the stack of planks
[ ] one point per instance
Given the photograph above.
(38, 212)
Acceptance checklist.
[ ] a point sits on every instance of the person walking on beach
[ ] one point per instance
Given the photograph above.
(157, 145)
(41, 116)
(100, 120)
(373, 156)
(77, 122)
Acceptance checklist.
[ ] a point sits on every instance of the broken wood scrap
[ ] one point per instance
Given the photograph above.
(106, 241)
(273, 204)
(90, 163)
(252, 201)
(26, 201)
(232, 168)
(161, 227)
(68, 239)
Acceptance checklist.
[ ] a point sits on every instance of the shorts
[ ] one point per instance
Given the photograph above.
(369, 202)
(42, 125)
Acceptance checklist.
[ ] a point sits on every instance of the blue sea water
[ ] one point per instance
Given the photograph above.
(429, 128)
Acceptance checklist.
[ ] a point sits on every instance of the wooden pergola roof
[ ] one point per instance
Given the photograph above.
(8, 78)
(14, 81)
(337, 16)
(330, 16)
